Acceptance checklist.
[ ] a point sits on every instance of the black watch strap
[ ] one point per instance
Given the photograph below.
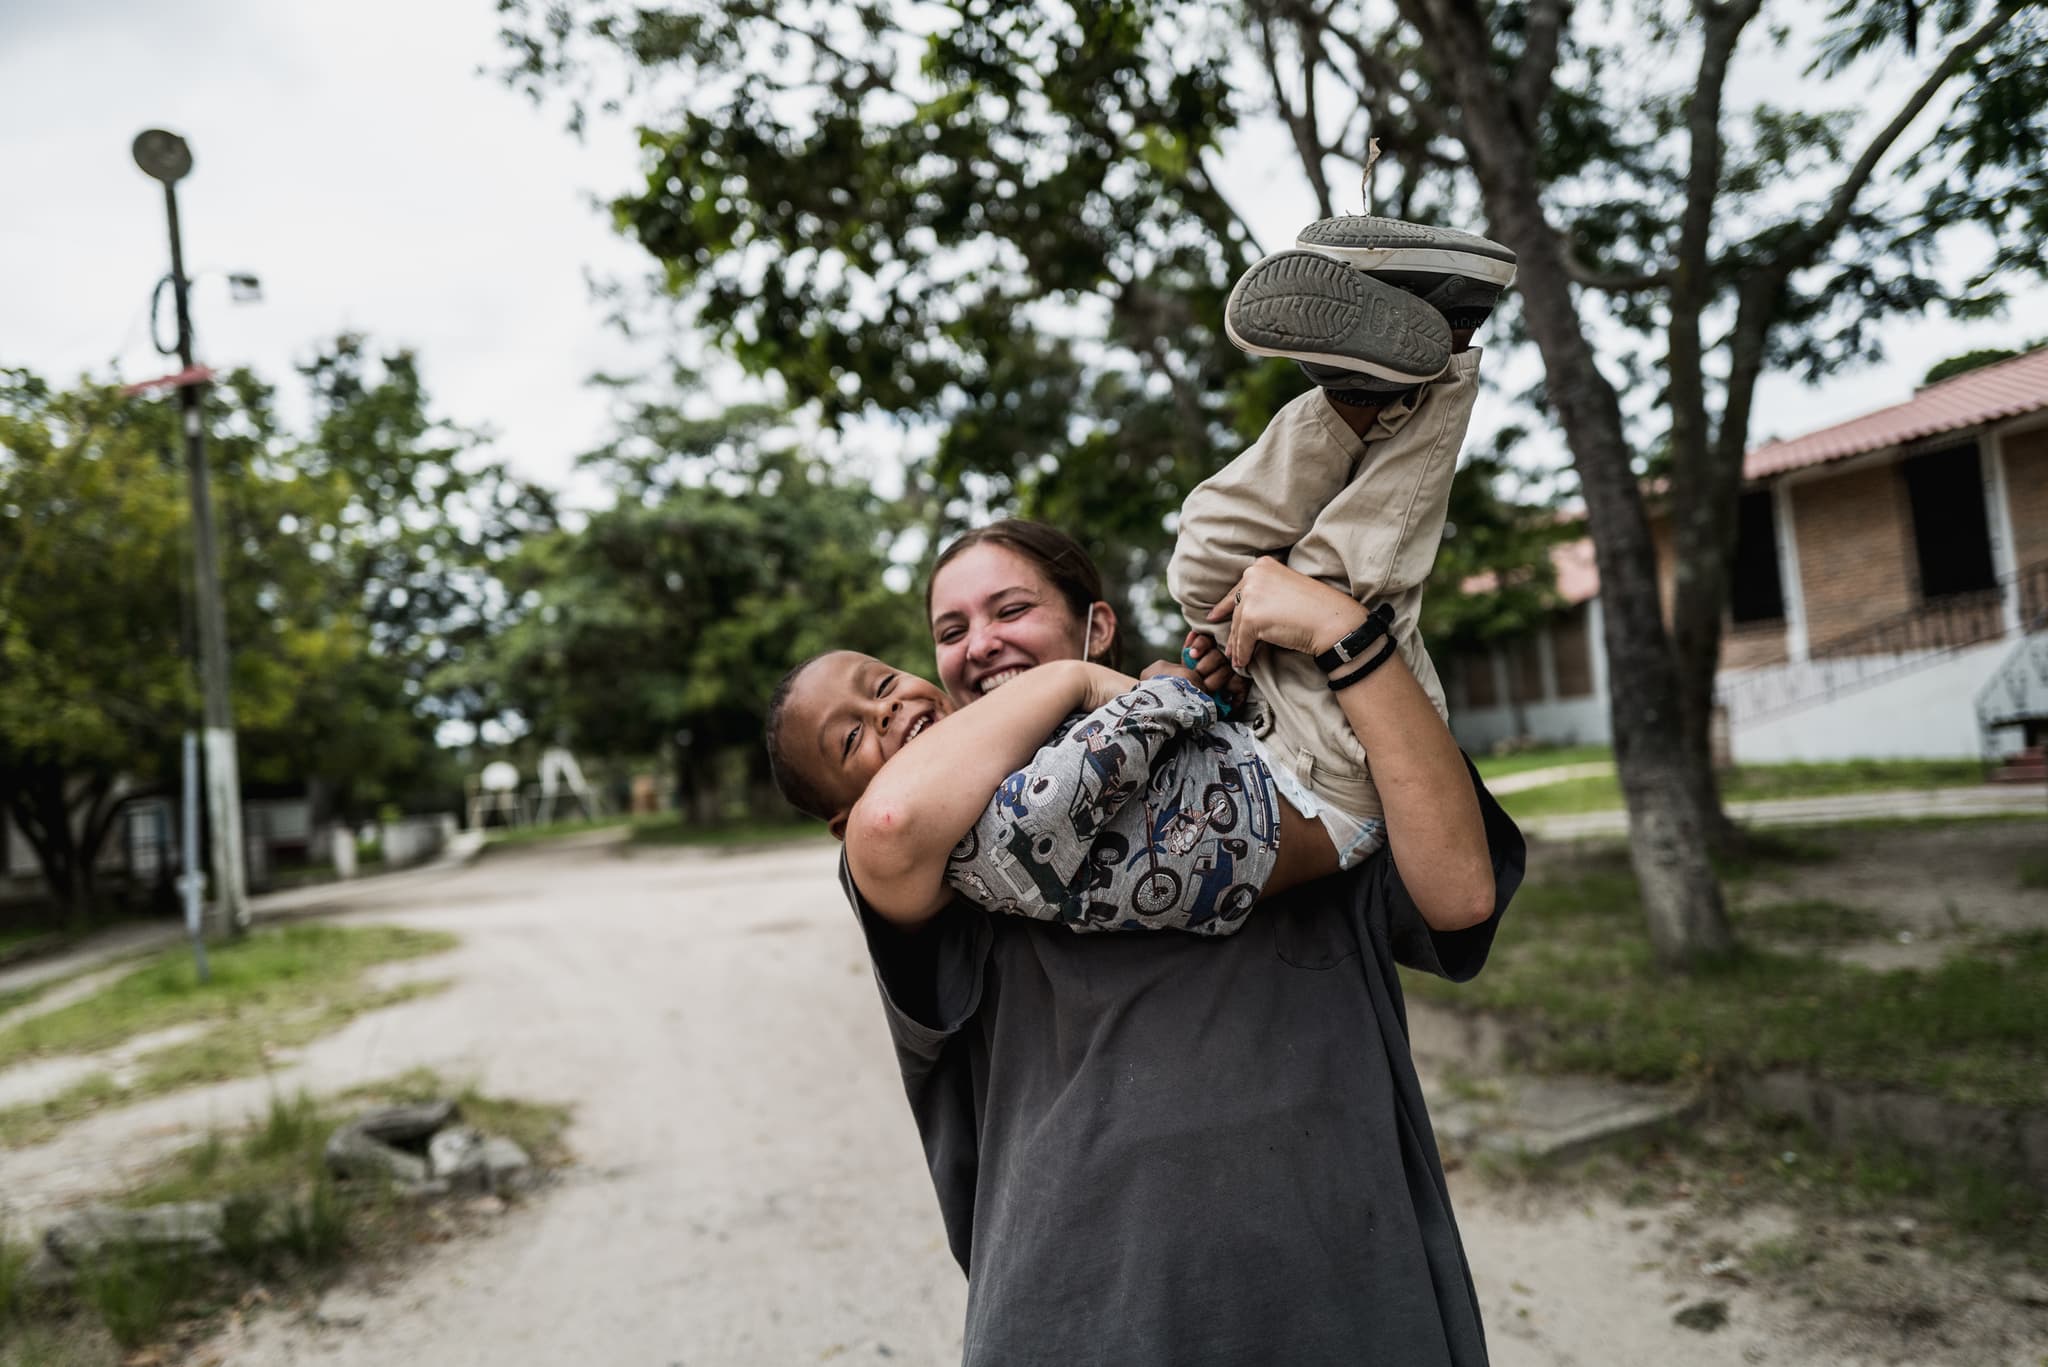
(1376, 624)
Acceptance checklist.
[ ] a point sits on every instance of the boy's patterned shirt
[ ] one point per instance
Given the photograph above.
(1147, 813)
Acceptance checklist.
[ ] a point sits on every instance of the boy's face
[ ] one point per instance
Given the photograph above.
(848, 716)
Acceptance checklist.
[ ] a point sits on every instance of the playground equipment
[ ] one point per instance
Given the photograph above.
(496, 789)
(561, 778)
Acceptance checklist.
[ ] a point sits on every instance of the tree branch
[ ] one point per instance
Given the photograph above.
(1376, 74)
(1300, 124)
(1816, 238)
(1615, 282)
(1547, 19)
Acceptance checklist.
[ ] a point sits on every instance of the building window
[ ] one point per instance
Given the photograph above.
(1951, 535)
(1573, 651)
(1476, 670)
(1755, 593)
(1525, 670)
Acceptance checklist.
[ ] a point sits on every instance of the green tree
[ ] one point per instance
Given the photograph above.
(418, 523)
(1493, 578)
(979, 213)
(662, 624)
(94, 551)
(343, 592)
(92, 523)
(1962, 364)
(1006, 231)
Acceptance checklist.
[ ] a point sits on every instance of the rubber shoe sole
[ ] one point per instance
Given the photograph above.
(1309, 307)
(1367, 242)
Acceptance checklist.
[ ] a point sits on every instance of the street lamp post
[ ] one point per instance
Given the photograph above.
(165, 157)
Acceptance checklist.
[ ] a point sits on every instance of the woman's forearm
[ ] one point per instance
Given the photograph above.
(1433, 823)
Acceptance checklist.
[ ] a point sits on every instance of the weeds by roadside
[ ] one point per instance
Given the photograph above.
(285, 1225)
(1759, 782)
(659, 829)
(277, 989)
(1574, 961)
(671, 830)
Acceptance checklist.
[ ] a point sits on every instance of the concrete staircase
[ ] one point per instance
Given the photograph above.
(2028, 766)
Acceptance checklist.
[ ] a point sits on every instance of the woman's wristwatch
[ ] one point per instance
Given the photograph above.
(1378, 622)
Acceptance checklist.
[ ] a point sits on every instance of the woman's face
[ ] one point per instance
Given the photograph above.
(994, 614)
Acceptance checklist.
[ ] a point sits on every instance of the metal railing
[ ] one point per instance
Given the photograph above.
(1894, 645)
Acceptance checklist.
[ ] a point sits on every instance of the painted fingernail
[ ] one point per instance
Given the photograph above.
(1187, 657)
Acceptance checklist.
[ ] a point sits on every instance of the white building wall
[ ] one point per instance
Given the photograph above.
(1576, 721)
(1928, 712)
(1554, 720)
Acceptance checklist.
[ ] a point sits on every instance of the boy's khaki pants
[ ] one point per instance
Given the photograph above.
(1365, 514)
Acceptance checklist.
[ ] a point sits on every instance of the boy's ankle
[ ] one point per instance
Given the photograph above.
(1359, 417)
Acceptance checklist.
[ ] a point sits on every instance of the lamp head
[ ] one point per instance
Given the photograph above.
(163, 156)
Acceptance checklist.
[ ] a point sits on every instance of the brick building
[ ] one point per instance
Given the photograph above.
(1887, 570)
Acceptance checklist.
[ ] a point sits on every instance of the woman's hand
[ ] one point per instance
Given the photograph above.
(1281, 607)
(1203, 664)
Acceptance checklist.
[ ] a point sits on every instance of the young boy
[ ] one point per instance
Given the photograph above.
(1149, 811)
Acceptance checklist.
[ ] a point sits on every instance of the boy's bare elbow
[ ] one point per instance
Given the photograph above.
(880, 831)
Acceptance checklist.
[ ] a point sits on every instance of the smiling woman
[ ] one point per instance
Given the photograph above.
(1012, 595)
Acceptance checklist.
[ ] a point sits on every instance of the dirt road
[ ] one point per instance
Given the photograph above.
(749, 1188)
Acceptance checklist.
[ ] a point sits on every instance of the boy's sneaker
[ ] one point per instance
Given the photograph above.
(1369, 336)
(1458, 274)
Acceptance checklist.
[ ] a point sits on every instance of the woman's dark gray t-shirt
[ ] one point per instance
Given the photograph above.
(1158, 1149)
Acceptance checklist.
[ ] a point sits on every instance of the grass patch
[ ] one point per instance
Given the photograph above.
(1759, 782)
(1575, 958)
(11, 939)
(661, 829)
(1764, 850)
(261, 972)
(136, 1291)
(1815, 921)
(554, 830)
(275, 989)
(1775, 1259)
(13, 1282)
(21, 996)
(1782, 1159)
(1525, 761)
(670, 830)
(2033, 871)
(285, 1220)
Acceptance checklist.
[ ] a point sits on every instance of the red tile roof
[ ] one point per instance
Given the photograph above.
(1992, 392)
(1577, 577)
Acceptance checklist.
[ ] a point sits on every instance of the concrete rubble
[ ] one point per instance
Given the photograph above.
(422, 1149)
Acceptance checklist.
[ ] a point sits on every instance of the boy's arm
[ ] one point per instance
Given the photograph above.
(928, 796)
(1034, 849)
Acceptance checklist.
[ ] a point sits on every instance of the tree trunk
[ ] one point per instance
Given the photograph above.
(1660, 773)
(43, 815)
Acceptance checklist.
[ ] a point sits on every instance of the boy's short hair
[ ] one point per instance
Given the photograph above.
(798, 789)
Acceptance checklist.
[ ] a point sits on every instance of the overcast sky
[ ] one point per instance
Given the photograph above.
(353, 157)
